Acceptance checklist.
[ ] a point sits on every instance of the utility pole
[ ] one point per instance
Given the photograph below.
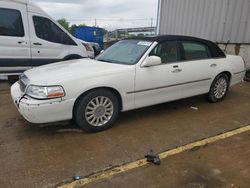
(95, 23)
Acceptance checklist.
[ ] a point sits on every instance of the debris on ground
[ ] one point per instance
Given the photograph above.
(153, 158)
(194, 108)
(77, 177)
(196, 148)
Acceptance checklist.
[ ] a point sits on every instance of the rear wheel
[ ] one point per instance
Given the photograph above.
(96, 111)
(219, 88)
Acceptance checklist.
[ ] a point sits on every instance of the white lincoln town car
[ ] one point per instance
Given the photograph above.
(133, 73)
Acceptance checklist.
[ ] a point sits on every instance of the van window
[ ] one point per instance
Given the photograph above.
(49, 31)
(11, 23)
(195, 50)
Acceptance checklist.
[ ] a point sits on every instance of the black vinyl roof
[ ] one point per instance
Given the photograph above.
(162, 38)
(215, 50)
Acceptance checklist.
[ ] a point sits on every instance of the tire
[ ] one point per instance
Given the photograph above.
(72, 57)
(95, 51)
(219, 88)
(91, 116)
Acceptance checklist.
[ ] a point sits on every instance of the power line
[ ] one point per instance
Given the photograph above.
(112, 19)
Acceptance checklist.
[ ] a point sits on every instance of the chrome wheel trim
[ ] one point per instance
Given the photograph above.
(220, 88)
(99, 111)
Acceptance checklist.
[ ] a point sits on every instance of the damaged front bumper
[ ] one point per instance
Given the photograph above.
(41, 111)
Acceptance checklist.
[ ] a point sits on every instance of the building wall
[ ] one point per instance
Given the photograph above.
(238, 49)
(221, 21)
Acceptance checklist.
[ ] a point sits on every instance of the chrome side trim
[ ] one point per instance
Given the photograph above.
(173, 85)
(239, 72)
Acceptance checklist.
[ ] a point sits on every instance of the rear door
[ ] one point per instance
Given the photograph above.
(198, 68)
(14, 37)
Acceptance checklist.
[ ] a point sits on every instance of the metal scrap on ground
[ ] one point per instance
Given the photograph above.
(194, 108)
(153, 157)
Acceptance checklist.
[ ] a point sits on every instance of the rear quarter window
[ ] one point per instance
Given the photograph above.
(11, 23)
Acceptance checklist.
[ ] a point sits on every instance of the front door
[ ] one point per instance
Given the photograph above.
(49, 42)
(157, 84)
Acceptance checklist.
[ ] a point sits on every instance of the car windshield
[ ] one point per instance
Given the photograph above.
(126, 52)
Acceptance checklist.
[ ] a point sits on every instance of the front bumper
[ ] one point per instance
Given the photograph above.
(41, 111)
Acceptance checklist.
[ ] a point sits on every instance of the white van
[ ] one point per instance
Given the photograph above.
(29, 37)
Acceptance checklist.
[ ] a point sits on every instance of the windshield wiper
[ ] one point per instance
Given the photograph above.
(104, 60)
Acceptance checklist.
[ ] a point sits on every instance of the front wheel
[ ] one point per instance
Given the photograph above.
(96, 111)
(219, 88)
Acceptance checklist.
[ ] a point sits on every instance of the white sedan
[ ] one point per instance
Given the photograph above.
(131, 74)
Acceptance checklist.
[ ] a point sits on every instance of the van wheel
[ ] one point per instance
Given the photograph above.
(96, 111)
(72, 57)
(219, 88)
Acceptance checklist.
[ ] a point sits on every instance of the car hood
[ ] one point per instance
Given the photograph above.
(74, 69)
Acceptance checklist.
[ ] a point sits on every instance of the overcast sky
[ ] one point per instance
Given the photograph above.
(111, 14)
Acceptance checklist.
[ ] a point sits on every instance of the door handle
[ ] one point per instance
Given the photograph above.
(176, 70)
(213, 65)
(37, 44)
(22, 42)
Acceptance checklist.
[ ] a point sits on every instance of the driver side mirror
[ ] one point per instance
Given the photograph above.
(152, 61)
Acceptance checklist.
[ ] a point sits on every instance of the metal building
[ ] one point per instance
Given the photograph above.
(216, 20)
(221, 21)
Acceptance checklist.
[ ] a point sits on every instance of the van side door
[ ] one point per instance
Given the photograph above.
(49, 43)
(15, 53)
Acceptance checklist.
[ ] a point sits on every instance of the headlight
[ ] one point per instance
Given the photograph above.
(45, 92)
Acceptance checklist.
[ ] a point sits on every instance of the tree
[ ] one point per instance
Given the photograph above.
(63, 22)
(140, 35)
(72, 27)
(80, 25)
(131, 36)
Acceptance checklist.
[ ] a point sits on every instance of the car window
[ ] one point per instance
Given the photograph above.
(167, 51)
(11, 23)
(195, 50)
(49, 31)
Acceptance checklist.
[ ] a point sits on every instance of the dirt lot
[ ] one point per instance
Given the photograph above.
(47, 155)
